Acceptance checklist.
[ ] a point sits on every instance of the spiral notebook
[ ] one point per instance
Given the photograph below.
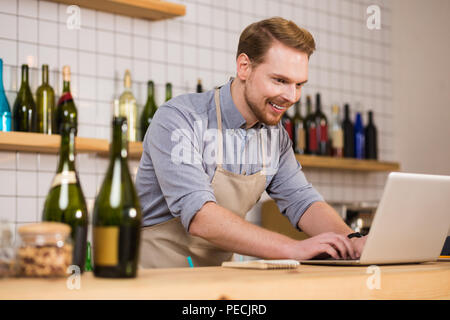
(262, 264)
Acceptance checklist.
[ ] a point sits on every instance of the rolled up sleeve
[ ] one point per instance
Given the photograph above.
(289, 186)
(177, 164)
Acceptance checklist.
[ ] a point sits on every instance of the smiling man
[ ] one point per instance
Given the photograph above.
(195, 208)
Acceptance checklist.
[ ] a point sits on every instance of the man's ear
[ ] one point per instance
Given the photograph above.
(243, 66)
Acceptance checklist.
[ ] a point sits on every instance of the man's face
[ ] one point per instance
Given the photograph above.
(275, 84)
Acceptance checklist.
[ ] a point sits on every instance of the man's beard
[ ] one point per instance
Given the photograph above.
(260, 115)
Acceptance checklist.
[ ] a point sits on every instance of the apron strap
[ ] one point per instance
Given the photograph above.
(219, 153)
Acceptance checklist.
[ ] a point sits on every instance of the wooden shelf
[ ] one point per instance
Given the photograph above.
(43, 143)
(144, 9)
(346, 164)
(37, 142)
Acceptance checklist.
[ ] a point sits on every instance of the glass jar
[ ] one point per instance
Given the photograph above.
(6, 250)
(44, 250)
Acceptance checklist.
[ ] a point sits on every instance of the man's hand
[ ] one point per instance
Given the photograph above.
(358, 244)
(336, 245)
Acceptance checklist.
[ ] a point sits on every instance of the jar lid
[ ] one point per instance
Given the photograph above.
(45, 228)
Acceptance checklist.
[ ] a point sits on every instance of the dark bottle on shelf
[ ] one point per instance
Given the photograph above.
(66, 111)
(5, 111)
(117, 214)
(371, 139)
(299, 130)
(288, 125)
(24, 109)
(168, 91)
(359, 137)
(45, 101)
(199, 88)
(149, 109)
(349, 136)
(310, 129)
(65, 201)
(321, 128)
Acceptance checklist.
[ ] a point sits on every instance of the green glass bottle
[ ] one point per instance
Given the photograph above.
(65, 201)
(88, 264)
(66, 111)
(24, 109)
(168, 91)
(149, 109)
(45, 100)
(128, 107)
(117, 214)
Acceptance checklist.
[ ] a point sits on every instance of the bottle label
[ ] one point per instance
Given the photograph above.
(338, 139)
(65, 177)
(323, 131)
(288, 127)
(300, 139)
(312, 138)
(106, 246)
(65, 97)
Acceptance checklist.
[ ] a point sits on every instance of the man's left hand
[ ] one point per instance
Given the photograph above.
(358, 244)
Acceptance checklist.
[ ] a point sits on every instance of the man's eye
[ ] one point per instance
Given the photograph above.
(280, 80)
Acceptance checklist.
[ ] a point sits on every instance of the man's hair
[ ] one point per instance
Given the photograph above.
(257, 38)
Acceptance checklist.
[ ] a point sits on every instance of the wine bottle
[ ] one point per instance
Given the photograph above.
(45, 100)
(359, 137)
(5, 111)
(128, 107)
(337, 136)
(288, 125)
(199, 86)
(149, 109)
(310, 128)
(168, 91)
(65, 201)
(299, 130)
(371, 139)
(66, 111)
(349, 136)
(321, 128)
(24, 109)
(117, 214)
(88, 263)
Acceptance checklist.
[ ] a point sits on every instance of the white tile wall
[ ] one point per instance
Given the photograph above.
(352, 64)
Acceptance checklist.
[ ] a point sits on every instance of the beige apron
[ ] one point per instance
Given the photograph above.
(168, 245)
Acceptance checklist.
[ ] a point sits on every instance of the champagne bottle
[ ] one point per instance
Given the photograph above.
(288, 125)
(321, 128)
(66, 111)
(128, 108)
(65, 201)
(337, 136)
(117, 214)
(310, 127)
(199, 86)
(299, 130)
(359, 137)
(371, 139)
(45, 98)
(5, 111)
(168, 91)
(24, 109)
(349, 136)
(149, 109)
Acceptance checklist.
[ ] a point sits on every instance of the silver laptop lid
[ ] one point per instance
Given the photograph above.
(411, 221)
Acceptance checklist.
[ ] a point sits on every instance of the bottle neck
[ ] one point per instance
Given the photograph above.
(119, 147)
(66, 86)
(297, 108)
(67, 151)
(168, 92)
(150, 90)
(24, 75)
(318, 104)
(44, 74)
(370, 118)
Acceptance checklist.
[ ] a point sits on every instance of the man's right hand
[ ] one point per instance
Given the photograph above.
(336, 245)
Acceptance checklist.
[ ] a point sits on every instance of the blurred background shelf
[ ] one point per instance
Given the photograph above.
(43, 143)
(144, 9)
(38, 142)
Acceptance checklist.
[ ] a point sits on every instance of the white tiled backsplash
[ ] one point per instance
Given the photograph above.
(352, 64)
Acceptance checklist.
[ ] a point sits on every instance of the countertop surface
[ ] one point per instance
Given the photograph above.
(414, 281)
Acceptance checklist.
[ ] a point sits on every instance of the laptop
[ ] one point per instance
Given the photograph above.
(410, 224)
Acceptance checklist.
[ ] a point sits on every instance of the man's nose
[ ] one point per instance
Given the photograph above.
(290, 93)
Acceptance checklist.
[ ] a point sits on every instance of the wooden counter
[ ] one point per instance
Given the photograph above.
(415, 281)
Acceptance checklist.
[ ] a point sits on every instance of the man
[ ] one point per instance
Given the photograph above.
(194, 204)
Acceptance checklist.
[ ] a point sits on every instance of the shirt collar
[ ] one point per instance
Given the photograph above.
(231, 117)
